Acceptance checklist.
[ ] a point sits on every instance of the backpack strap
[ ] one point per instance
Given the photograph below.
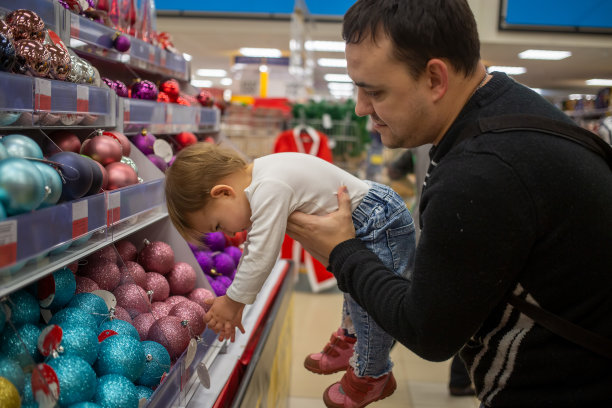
(524, 122)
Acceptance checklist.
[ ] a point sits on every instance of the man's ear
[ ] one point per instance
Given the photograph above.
(437, 71)
(222, 190)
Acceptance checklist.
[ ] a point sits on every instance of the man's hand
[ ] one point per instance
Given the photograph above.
(224, 316)
(320, 234)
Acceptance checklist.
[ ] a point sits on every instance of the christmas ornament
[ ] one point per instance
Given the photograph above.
(76, 316)
(144, 141)
(104, 175)
(21, 146)
(143, 323)
(175, 300)
(191, 312)
(76, 6)
(76, 172)
(132, 298)
(234, 252)
(206, 99)
(182, 278)
(120, 175)
(6, 30)
(215, 241)
(62, 140)
(163, 97)
(170, 333)
(121, 354)
(8, 55)
(32, 58)
(122, 139)
(182, 101)
(114, 390)
(27, 396)
(105, 273)
(120, 327)
(56, 290)
(24, 308)
(143, 392)
(70, 119)
(77, 380)
(158, 162)
(78, 69)
(160, 309)
(205, 261)
(12, 372)
(122, 43)
(144, 89)
(52, 184)
(132, 272)
(185, 139)
(92, 304)
(157, 257)
(9, 396)
(157, 363)
(122, 314)
(25, 24)
(106, 254)
(158, 285)
(122, 89)
(98, 173)
(220, 284)
(21, 345)
(171, 88)
(127, 251)
(103, 149)
(130, 163)
(200, 296)
(110, 83)
(8, 118)
(59, 61)
(80, 341)
(224, 264)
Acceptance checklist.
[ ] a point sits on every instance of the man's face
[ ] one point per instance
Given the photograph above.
(397, 103)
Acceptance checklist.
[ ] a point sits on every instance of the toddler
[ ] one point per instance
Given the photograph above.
(211, 188)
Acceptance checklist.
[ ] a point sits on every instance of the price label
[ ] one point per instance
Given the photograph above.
(42, 94)
(203, 375)
(191, 352)
(126, 110)
(8, 243)
(49, 339)
(79, 218)
(82, 98)
(114, 208)
(45, 386)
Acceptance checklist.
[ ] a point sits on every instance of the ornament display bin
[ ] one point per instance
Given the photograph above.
(16, 99)
(51, 12)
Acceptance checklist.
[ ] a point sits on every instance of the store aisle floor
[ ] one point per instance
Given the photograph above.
(420, 384)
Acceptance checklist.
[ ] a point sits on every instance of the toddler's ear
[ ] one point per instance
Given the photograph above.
(221, 190)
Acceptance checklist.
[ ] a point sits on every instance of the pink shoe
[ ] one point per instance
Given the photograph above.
(334, 357)
(357, 392)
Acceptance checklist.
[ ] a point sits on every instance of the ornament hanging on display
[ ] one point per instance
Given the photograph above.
(6, 30)
(144, 89)
(114, 390)
(163, 97)
(205, 261)
(158, 162)
(25, 25)
(106, 274)
(121, 42)
(77, 380)
(21, 344)
(158, 285)
(45, 386)
(215, 241)
(121, 138)
(80, 341)
(98, 179)
(200, 296)
(74, 315)
(131, 163)
(110, 83)
(183, 101)
(92, 304)
(157, 363)
(224, 264)
(160, 309)
(8, 55)
(175, 300)
(121, 354)
(53, 183)
(32, 58)
(126, 250)
(170, 332)
(85, 285)
(185, 139)
(206, 99)
(156, 256)
(22, 186)
(235, 253)
(144, 141)
(56, 290)
(171, 88)
(106, 254)
(122, 314)
(191, 312)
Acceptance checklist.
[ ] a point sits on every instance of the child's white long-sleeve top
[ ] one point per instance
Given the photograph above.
(282, 183)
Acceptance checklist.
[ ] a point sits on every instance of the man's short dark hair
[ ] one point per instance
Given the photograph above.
(419, 30)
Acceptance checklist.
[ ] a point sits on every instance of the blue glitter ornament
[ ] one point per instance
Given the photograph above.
(27, 397)
(24, 308)
(81, 341)
(85, 405)
(120, 327)
(116, 391)
(77, 380)
(120, 354)
(143, 392)
(12, 371)
(76, 316)
(157, 363)
(92, 304)
(21, 345)
(65, 286)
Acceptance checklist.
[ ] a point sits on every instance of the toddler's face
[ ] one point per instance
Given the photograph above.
(228, 214)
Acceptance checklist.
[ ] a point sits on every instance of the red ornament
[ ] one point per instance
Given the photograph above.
(206, 99)
(103, 149)
(120, 175)
(62, 141)
(157, 257)
(182, 101)
(104, 176)
(163, 97)
(171, 88)
(185, 139)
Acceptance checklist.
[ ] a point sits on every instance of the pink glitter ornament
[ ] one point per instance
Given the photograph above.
(107, 253)
(132, 272)
(132, 298)
(200, 295)
(122, 314)
(182, 278)
(157, 257)
(160, 309)
(174, 300)
(127, 251)
(143, 323)
(85, 285)
(74, 267)
(159, 285)
(193, 313)
(105, 274)
(170, 333)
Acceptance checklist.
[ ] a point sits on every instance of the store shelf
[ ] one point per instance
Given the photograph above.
(138, 114)
(208, 120)
(165, 118)
(126, 203)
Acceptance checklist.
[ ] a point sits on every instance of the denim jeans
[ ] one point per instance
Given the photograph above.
(384, 224)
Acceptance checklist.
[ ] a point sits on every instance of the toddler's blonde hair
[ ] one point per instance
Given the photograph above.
(189, 180)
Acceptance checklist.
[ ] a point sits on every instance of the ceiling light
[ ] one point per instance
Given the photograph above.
(330, 46)
(226, 81)
(340, 86)
(217, 73)
(337, 78)
(187, 57)
(507, 70)
(599, 82)
(332, 62)
(544, 55)
(261, 52)
(201, 83)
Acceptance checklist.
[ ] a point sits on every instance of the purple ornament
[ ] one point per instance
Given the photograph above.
(111, 84)
(234, 252)
(159, 162)
(121, 89)
(158, 285)
(205, 261)
(218, 286)
(215, 241)
(122, 43)
(144, 89)
(224, 264)
(182, 278)
(144, 142)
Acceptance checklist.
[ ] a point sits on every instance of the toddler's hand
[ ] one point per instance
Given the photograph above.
(224, 316)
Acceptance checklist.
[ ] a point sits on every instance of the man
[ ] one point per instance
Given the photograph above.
(518, 212)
